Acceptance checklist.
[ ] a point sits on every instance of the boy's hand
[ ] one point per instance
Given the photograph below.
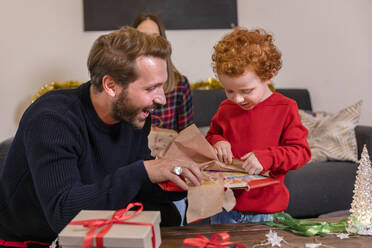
(223, 150)
(251, 164)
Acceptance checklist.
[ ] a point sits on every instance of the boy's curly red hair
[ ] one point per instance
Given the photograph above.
(246, 49)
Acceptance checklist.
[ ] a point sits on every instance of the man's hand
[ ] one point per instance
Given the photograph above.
(160, 170)
(251, 164)
(223, 150)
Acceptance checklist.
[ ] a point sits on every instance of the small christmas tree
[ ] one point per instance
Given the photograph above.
(361, 207)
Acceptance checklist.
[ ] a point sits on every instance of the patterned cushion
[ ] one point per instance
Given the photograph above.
(332, 136)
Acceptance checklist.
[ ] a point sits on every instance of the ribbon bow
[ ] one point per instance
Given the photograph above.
(309, 227)
(119, 217)
(201, 241)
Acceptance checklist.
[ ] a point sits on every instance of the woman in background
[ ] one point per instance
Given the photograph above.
(177, 113)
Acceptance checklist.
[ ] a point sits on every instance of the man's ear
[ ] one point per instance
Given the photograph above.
(109, 85)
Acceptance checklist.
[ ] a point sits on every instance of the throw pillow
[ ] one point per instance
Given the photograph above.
(332, 136)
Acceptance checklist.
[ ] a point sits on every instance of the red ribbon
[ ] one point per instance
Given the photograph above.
(21, 244)
(201, 241)
(119, 217)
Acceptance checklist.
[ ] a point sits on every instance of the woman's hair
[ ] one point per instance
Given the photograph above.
(244, 49)
(173, 74)
(115, 54)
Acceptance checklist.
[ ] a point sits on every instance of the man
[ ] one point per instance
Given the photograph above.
(86, 148)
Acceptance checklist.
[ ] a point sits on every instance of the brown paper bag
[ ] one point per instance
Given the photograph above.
(207, 199)
(204, 201)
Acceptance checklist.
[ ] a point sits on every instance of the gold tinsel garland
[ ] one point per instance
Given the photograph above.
(210, 84)
(214, 84)
(55, 85)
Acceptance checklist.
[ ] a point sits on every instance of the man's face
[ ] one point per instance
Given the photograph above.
(246, 90)
(142, 96)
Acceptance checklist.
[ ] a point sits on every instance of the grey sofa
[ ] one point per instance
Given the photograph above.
(316, 188)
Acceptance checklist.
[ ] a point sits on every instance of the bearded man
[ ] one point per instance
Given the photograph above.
(87, 148)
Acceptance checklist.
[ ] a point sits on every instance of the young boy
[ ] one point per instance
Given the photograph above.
(254, 124)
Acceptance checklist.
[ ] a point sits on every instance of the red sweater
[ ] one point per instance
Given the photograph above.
(273, 131)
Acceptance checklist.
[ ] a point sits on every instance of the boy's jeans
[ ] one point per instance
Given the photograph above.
(181, 206)
(234, 216)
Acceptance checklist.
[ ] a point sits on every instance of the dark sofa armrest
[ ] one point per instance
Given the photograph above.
(364, 136)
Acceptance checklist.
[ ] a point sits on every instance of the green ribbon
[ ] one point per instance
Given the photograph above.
(310, 227)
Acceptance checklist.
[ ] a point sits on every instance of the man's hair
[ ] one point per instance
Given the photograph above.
(245, 49)
(173, 74)
(115, 54)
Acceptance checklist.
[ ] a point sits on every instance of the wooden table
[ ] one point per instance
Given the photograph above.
(252, 234)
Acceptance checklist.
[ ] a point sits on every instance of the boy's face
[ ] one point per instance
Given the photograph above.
(246, 90)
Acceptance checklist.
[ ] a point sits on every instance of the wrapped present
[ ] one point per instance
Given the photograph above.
(121, 228)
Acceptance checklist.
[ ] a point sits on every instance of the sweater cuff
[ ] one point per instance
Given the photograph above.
(214, 139)
(265, 158)
(138, 171)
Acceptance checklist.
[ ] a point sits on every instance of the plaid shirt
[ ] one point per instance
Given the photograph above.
(177, 113)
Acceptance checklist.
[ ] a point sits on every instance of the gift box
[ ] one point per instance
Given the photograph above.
(133, 232)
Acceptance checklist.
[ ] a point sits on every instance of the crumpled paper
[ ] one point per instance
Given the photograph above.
(209, 198)
(190, 145)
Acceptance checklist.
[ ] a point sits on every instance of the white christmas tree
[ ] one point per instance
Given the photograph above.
(361, 207)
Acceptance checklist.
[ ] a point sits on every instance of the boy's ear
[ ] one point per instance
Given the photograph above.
(273, 74)
(109, 85)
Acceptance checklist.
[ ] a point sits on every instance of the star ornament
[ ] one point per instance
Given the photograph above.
(274, 239)
(342, 235)
(313, 245)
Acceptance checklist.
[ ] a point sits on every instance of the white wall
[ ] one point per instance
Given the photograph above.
(326, 46)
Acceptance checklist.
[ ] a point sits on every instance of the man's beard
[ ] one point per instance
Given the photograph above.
(125, 110)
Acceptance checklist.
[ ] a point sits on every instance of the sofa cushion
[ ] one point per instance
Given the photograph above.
(332, 137)
(320, 187)
(301, 96)
(205, 104)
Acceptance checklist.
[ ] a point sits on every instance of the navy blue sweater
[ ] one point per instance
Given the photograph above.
(64, 159)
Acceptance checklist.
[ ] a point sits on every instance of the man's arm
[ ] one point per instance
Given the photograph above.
(54, 150)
